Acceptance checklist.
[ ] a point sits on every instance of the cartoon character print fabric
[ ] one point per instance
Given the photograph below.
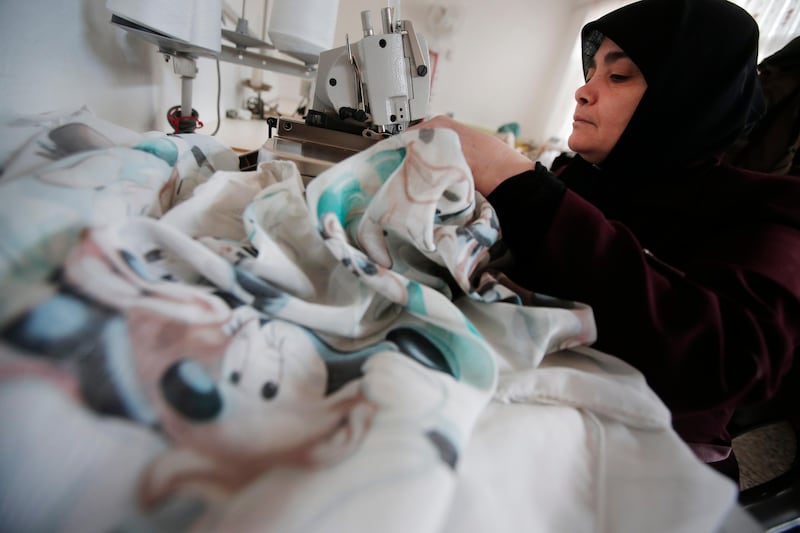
(290, 360)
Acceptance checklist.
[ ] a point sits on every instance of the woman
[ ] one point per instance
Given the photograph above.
(692, 267)
(774, 143)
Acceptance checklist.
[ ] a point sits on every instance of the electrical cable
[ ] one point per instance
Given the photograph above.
(219, 90)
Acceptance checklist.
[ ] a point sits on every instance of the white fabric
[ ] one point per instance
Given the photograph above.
(370, 372)
(586, 446)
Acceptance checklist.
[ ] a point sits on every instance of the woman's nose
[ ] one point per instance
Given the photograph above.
(584, 94)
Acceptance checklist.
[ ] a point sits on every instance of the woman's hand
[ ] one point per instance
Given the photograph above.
(491, 160)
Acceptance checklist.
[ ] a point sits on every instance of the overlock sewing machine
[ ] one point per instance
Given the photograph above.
(364, 92)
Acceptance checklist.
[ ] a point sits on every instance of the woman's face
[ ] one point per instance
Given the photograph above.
(605, 103)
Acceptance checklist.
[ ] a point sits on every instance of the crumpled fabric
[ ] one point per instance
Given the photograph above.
(268, 357)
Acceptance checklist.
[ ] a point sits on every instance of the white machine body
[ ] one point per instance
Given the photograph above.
(386, 76)
(364, 92)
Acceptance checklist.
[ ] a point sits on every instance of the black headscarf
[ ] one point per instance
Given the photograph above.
(775, 80)
(699, 60)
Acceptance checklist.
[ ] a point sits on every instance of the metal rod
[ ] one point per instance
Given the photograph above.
(251, 59)
(264, 21)
(387, 19)
(186, 96)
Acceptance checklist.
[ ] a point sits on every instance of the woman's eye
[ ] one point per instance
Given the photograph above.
(619, 77)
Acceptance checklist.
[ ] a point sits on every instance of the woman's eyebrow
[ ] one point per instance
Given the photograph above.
(614, 55)
(609, 58)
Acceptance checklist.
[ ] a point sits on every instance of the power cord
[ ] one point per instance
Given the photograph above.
(219, 89)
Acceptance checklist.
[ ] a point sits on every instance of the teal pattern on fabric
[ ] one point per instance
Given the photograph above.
(163, 149)
(416, 299)
(476, 369)
(342, 197)
(476, 364)
(463, 355)
(387, 161)
(346, 198)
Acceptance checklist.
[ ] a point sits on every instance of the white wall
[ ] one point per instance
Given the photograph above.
(501, 63)
(60, 55)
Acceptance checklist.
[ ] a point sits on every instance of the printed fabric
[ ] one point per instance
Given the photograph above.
(228, 351)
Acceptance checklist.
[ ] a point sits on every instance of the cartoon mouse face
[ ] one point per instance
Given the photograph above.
(266, 396)
(265, 403)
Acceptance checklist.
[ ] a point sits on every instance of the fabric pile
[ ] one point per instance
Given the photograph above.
(184, 345)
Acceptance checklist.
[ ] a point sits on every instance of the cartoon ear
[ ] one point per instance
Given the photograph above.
(189, 389)
(266, 294)
(349, 436)
(420, 348)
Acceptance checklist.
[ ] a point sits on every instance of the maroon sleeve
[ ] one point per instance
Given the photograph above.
(706, 339)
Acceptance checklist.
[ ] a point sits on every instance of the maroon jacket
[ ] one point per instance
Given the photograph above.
(695, 281)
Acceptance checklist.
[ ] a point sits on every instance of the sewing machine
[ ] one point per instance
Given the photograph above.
(364, 92)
